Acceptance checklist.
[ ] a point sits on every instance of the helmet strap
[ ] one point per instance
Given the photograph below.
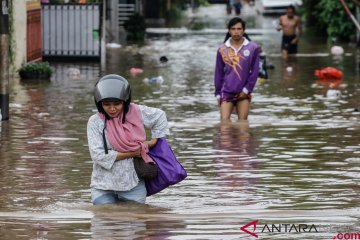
(124, 118)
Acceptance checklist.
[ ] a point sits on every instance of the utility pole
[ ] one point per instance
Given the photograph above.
(357, 25)
(103, 38)
(4, 60)
(358, 19)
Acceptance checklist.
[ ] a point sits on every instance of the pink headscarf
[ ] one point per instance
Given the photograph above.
(128, 137)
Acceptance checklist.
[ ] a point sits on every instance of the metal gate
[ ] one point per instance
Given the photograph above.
(127, 8)
(33, 33)
(71, 30)
(118, 12)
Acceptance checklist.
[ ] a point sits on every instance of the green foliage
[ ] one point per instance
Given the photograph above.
(338, 23)
(329, 16)
(36, 68)
(135, 27)
(197, 25)
(307, 12)
(174, 15)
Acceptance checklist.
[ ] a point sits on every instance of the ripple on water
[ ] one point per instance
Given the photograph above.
(297, 161)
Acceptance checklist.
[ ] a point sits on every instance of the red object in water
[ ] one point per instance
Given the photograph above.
(329, 73)
(135, 71)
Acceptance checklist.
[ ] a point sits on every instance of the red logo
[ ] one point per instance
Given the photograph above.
(244, 228)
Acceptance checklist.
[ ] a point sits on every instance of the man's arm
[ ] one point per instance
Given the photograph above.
(279, 27)
(298, 31)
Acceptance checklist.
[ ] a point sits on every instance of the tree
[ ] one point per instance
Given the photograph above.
(329, 16)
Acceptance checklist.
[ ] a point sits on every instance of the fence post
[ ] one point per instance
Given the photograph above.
(4, 60)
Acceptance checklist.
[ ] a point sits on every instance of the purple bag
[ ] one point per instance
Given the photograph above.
(170, 170)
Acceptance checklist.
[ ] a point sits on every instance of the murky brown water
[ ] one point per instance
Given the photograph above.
(295, 162)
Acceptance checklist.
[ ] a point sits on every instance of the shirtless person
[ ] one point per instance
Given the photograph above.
(290, 24)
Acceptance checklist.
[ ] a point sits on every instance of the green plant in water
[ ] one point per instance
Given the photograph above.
(197, 25)
(135, 27)
(42, 70)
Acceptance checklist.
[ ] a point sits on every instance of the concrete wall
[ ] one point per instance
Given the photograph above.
(19, 35)
(19, 39)
(112, 22)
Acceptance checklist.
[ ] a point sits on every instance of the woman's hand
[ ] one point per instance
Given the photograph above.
(152, 142)
(126, 155)
(137, 153)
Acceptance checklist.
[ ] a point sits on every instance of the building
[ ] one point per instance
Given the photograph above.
(25, 33)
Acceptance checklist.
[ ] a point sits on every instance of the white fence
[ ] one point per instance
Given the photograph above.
(71, 30)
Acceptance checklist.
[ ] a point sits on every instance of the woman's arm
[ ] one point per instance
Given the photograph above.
(155, 119)
(96, 145)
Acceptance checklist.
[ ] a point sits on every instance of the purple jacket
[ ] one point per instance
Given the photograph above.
(236, 72)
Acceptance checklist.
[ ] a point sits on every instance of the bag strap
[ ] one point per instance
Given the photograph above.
(104, 139)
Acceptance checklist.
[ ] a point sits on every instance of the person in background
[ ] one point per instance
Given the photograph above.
(290, 25)
(116, 135)
(236, 71)
(237, 7)
(229, 6)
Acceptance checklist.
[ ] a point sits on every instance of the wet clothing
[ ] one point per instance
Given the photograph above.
(236, 70)
(136, 194)
(286, 44)
(235, 99)
(109, 174)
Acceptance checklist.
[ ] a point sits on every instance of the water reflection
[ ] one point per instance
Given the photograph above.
(139, 222)
(290, 72)
(234, 139)
(236, 161)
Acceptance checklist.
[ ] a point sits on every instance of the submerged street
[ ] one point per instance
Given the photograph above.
(296, 161)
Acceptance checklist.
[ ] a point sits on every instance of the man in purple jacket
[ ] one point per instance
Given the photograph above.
(236, 71)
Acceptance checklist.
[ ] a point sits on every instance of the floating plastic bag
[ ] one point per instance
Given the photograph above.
(329, 73)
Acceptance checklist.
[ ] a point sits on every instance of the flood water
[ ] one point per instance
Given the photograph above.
(296, 161)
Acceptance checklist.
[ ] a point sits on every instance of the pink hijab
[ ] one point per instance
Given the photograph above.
(130, 136)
